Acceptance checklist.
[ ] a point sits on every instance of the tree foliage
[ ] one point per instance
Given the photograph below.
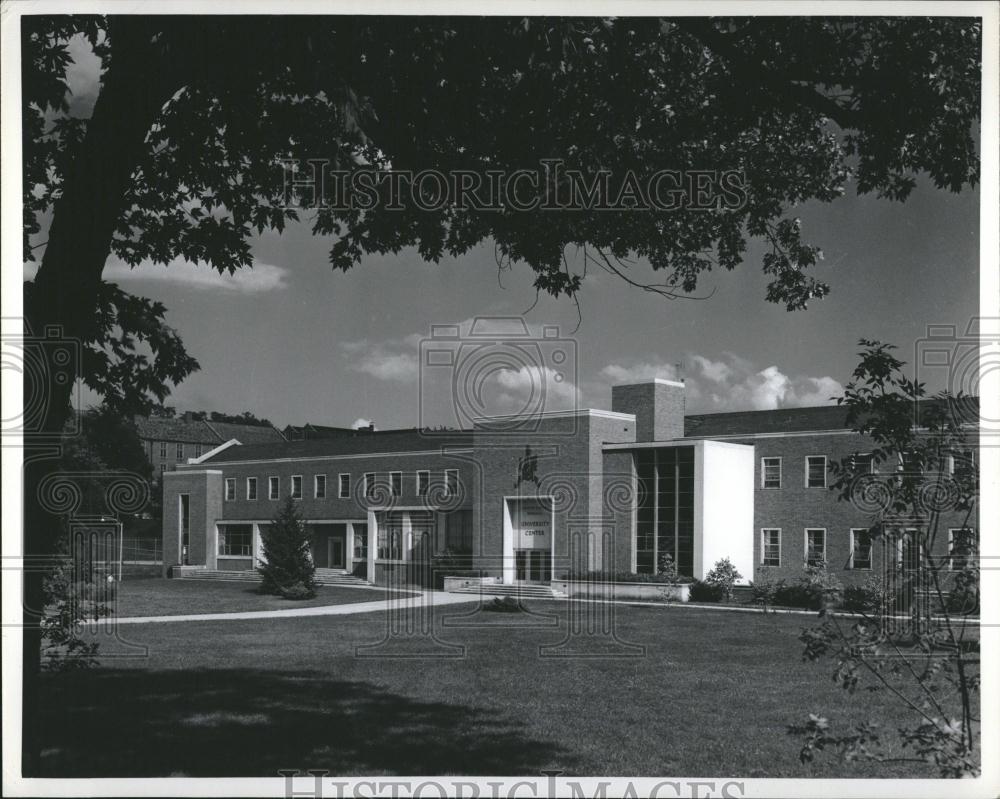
(287, 568)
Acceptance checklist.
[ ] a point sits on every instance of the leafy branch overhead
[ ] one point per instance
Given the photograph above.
(801, 106)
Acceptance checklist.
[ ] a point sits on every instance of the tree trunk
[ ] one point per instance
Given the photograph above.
(63, 301)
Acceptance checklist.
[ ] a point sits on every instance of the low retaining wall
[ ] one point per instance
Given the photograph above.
(453, 583)
(673, 592)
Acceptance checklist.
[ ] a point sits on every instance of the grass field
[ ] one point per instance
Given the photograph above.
(711, 695)
(158, 597)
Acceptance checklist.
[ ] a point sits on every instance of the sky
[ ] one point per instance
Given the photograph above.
(296, 342)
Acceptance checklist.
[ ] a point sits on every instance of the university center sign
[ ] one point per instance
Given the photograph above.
(532, 523)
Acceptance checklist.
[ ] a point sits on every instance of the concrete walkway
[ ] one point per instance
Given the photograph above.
(424, 599)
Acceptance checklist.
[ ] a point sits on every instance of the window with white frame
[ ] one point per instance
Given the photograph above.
(319, 486)
(451, 482)
(861, 548)
(180, 452)
(273, 487)
(423, 481)
(961, 547)
(163, 450)
(344, 487)
(369, 483)
(770, 472)
(230, 489)
(815, 546)
(296, 486)
(770, 546)
(251, 488)
(396, 483)
(862, 463)
(235, 540)
(815, 471)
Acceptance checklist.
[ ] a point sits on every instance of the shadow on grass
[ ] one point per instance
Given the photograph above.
(237, 722)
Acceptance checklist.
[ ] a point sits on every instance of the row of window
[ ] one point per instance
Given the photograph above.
(422, 484)
(196, 450)
(961, 545)
(816, 467)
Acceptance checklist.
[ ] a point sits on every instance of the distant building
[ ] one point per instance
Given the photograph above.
(169, 441)
(311, 431)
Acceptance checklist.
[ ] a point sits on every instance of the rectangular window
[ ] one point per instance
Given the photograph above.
(296, 486)
(197, 450)
(230, 489)
(862, 463)
(770, 472)
(396, 483)
(861, 548)
(184, 523)
(163, 450)
(273, 487)
(369, 483)
(319, 486)
(816, 471)
(235, 540)
(451, 482)
(251, 488)
(345, 486)
(360, 542)
(180, 452)
(423, 479)
(815, 546)
(961, 548)
(770, 546)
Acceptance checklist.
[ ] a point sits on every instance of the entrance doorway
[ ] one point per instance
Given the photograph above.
(532, 566)
(335, 553)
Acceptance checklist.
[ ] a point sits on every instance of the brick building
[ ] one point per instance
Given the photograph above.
(529, 499)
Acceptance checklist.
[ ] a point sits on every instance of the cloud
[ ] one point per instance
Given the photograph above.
(360, 422)
(388, 360)
(532, 387)
(731, 383)
(735, 384)
(261, 278)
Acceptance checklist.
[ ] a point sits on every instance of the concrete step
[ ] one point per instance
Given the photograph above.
(517, 591)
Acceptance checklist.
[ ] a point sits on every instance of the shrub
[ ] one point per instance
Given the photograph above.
(624, 577)
(828, 589)
(869, 597)
(505, 604)
(297, 591)
(797, 595)
(764, 591)
(666, 568)
(724, 576)
(704, 591)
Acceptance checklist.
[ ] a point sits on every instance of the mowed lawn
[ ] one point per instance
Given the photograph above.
(708, 694)
(155, 596)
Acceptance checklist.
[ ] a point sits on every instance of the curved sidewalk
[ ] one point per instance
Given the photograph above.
(433, 598)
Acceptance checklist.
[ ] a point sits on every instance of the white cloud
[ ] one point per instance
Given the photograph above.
(382, 360)
(735, 384)
(532, 388)
(619, 374)
(360, 422)
(261, 278)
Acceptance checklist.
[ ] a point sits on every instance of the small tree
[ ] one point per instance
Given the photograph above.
(667, 568)
(288, 569)
(921, 658)
(724, 576)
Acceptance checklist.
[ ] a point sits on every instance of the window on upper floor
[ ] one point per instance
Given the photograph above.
(396, 483)
(163, 449)
(273, 487)
(423, 481)
(451, 482)
(770, 472)
(344, 491)
(296, 486)
(862, 463)
(816, 471)
(180, 452)
(319, 486)
(369, 483)
(230, 489)
(251, 488)
(197, 450)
